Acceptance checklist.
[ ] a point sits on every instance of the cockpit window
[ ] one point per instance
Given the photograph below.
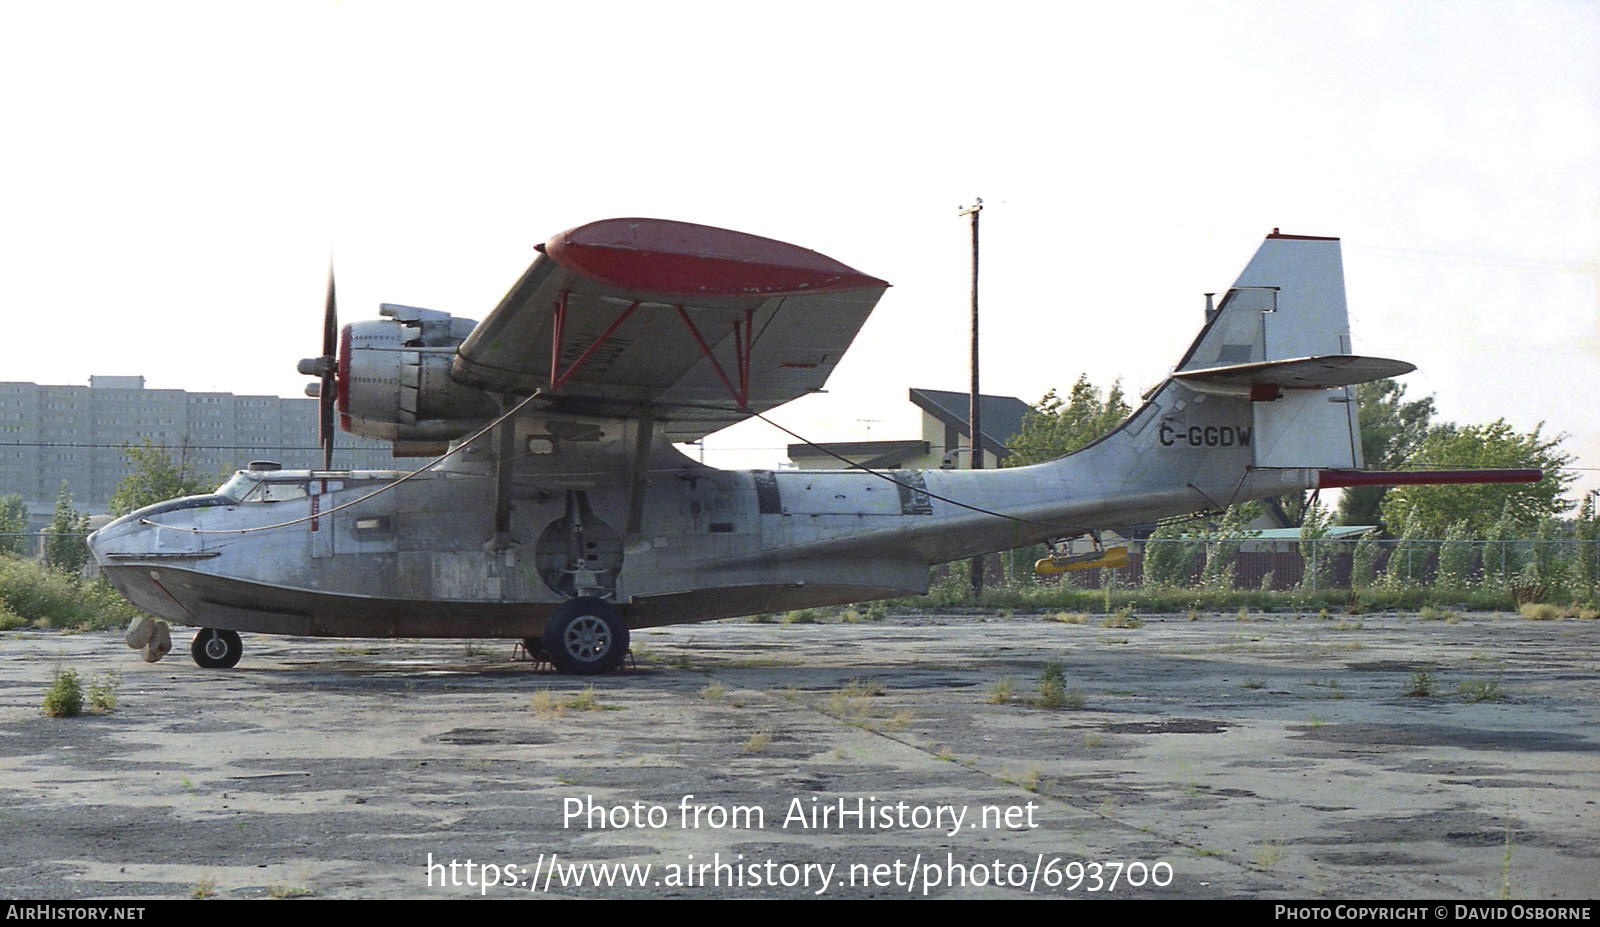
(276, 491)
(237, 486)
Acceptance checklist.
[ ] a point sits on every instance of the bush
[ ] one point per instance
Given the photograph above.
(49, 598)
(64, 698)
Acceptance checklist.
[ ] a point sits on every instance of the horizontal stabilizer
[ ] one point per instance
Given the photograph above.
(1333, 479)
(1322, 372)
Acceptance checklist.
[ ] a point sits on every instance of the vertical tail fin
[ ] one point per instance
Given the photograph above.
(1281, 337)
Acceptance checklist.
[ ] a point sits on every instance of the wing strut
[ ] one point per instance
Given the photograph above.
(741, 349)
(743, 336)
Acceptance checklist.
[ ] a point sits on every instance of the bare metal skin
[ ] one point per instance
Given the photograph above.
(576, 519)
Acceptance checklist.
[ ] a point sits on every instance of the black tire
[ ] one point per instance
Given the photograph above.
(216, 648)
(586, 636)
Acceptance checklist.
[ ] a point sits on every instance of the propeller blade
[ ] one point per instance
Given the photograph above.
(327, 393)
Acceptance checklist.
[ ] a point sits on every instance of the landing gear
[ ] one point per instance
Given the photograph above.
(585, 636)
(214, 648)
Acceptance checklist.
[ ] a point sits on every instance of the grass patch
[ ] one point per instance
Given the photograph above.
(1121, 618)
(852, 702)
(756, 742)
(1267, 855)
(547, 704)
(1480, 690)
(1001, 691)
(1252, 684)
(713, 691)
(1067, 617)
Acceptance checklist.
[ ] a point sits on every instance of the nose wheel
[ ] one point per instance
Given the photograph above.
(216, 648)
(586, 636)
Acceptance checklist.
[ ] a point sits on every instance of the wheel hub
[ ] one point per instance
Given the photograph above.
(588, 638)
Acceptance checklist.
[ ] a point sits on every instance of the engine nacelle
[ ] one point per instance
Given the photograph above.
(394, 378)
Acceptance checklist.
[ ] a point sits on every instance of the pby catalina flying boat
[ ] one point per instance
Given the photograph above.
(559, 512)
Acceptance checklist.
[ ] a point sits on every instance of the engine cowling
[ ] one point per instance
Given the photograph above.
(394, 378)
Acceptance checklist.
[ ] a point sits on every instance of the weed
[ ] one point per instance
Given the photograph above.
(1122, 618)
(945, 755)
(876, 612)
(757, 742)
(1053, 691)
(1052, 684)
(544, 704)
(1348, 626)
(763, 618)
(899, 720)
(102, 692)
(1193, 614)
(1067, 617)
(713, 691)
(1332, 685)
(204, 887)
(851, 703)
(64, 698)
(1001, 691)
(800, 616)
(280, 891)
(1028, 778)
(1253, 683)
(1420, 685)
(1480, 690)
(1093, 738)
(585, 699)
(1244, 614)
(1267, 855)
(1430, 613)
(547, 704)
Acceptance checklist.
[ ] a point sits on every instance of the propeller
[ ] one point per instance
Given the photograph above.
(326, 367)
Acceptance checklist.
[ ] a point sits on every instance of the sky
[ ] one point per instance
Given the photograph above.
(179, 174)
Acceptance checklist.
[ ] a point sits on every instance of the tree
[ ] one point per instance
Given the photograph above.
(1391, 431)
(1586, 550)
(156, 477)
(64, 546)
(1057, 426)
(13, 525)
(1431, 510)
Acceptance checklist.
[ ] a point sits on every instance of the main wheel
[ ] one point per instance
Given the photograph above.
(216, 648)
(586, 636)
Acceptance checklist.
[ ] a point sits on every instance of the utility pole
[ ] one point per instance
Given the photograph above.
(974, 426)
